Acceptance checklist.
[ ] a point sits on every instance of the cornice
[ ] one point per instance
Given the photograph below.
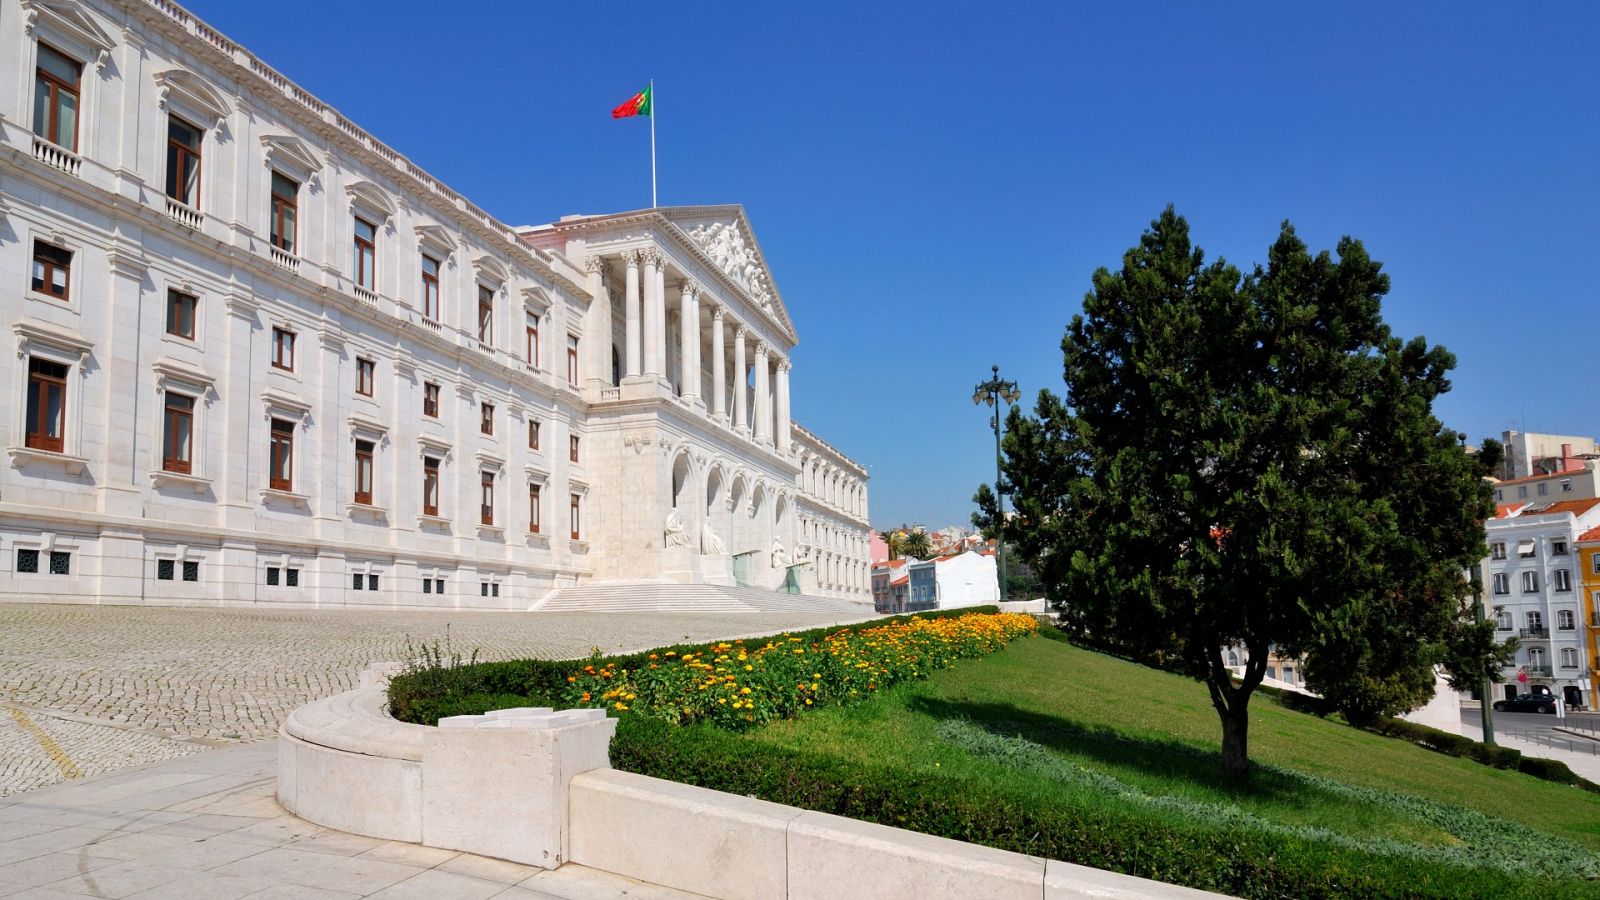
(806, 436)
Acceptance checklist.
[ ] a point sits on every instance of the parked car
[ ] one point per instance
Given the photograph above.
(1540, 703)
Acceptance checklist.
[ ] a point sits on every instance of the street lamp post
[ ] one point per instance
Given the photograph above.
(993, 392)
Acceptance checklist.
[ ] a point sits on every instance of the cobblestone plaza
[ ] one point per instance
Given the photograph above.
(90, 689)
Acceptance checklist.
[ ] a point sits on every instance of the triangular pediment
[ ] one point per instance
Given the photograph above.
(724, 235)
(71, 21)
(186, 88)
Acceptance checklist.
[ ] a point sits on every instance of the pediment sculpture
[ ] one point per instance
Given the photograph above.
(725, 244)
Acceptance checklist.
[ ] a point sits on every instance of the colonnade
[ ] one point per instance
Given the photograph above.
(761, 413)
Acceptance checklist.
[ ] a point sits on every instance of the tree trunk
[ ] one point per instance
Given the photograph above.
(1236, 740)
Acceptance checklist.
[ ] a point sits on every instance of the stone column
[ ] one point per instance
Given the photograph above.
(597, 327)
(763, 403)
(741, 395)
(631, 313)
(782, 427)
(655, 318)
(661, 313)
(719, 368)
(689, 375)
(699, 398)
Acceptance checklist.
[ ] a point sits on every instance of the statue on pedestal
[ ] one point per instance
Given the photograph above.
(780, 556)
(677, 535)
(710, 543)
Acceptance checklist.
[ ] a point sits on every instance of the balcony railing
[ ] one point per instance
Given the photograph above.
(1537, 671)
(184, 215)
(283, 258)
(1536, 632)
(366, 296)
(56, 157)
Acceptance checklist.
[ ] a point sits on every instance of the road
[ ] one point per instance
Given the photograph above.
(1534, 723)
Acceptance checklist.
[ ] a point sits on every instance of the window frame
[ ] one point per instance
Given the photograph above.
(43, 258)
(486, 418)
(278, 348)
(572, 360)
(1566, 620)
(282, 439)
(52, 102)
(1530, 582)
(534, 427)
(1501, 583)
(485, 316)
(575, 516)
(431, 485)
(1561, 580)
(364, 265)
(366, 375)
(430, 399)
(175, 302)
(280, 204)
(364, 472)
(36, 427)
(534, 504)
(486, 498)
(572, 448)
(533, 340)
(176, 152)
(1497, 550)
(430, 288)
(171, 416)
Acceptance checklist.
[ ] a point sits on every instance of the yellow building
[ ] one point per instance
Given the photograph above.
(1589, 571)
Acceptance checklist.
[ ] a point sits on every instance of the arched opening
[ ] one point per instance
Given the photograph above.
(680, 481)
(616, 366)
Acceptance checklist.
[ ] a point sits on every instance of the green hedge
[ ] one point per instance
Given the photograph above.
(1107, 837)
(432, 690)
(1448, 744)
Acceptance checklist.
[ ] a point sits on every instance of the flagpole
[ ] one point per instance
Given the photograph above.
(652, 143)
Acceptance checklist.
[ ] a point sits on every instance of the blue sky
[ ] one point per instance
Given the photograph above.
(934, 183)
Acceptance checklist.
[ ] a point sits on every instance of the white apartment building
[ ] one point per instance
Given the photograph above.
(1531, 453)
(1533, 591)
(263, 357)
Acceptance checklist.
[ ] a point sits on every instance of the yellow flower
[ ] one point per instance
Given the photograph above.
(744, 690)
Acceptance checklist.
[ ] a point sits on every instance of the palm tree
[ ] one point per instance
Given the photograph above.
(896, 542)
(917, 544)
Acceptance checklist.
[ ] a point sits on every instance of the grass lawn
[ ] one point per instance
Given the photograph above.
(1087, 734)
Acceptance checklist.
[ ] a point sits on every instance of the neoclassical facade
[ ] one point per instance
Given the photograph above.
(263, 357)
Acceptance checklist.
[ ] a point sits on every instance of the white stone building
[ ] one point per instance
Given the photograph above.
(263, 357)
(1533, 591)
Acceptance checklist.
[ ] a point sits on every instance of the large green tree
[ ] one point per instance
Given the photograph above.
(1248, 460)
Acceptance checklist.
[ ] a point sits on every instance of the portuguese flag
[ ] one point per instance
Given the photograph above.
(637, 105)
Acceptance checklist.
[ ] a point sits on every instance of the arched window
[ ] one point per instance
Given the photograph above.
(1233, 659)
(1566, 620)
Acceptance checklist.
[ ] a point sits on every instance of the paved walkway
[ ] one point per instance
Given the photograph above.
(208, 828)
(1586, 765)
(93, 689)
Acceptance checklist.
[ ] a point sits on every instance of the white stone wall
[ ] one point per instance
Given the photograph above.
(105, 499)
(1545, 532)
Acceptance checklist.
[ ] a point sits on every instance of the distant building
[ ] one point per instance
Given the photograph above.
(1534, 594)
(1580, 481)
(922, 586)
(878, 548)
(1530, 453)
(885, 576)
(1589, 604)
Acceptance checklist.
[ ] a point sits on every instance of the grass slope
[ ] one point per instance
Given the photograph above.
(1089, 732)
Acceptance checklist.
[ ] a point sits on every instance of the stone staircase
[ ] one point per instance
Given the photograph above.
(659, 597)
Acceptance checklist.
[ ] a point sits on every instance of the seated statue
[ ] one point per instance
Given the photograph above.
(710, 543)
(780, 556)
(677, 535)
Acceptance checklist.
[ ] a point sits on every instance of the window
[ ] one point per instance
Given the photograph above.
(177, 434)
(52, 270)
(1595, 563)
(281, 477)
(291, 577)
(533, 444)
(272, 576)
(191, 570)
(183, 162)
(47, 405)
(283, 349)
(1497, 496)
(364, 473)
(285, 191)
(1503, 620)
(1502, 583)
(486, 418)
(1497, 550)
(366, 374)
(572, 360)
(1535, 620)
(27, 561)
(430, 287)
(1530, 582)
(486, 503)
(181, 310)
(1522, 491)
(363, 269)
(1569, 658)
(1526, 548)
(166, 570)
(483, 588)
(1543, 489)
(485, 315)
(372, 582)
(1566, 485)
(533, 509)
(438, 585)
(1566, 620)
(572, 448)
(60, 563)
(533, 341)
(55, 99)
(430, 400)
(576, 515)
(1558, 548)
(357, 581)
(430, 486)
(1536, 657)
(1561, 579)
(427, 585)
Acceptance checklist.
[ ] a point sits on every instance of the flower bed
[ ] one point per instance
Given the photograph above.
(742, 683)
(733, 683)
